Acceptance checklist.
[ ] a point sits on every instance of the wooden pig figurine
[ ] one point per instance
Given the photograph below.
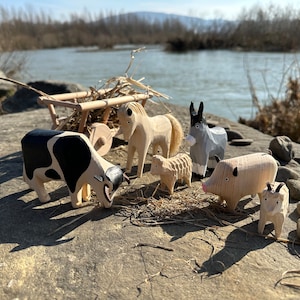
(274, 202)
(178, 167)
(68, 156)
(237, 177)
(141, 131)
(205, 143)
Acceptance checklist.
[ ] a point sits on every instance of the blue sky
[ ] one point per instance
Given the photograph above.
(228, 9)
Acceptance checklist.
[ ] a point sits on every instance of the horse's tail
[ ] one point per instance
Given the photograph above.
(177, 134)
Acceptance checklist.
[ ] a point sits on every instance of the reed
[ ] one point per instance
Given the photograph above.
(278, 116)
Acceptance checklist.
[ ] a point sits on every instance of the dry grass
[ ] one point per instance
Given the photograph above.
(280, 117)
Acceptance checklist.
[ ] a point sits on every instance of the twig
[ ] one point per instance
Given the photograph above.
(251, 87)
(153, 246)
(132, 57)
(292, 285)
(210, 244)
(155, 190)
(152, 222)
(25, 86)
(296, 252)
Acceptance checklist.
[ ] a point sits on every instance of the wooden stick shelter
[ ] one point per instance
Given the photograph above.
(70, 100)
(83, 103)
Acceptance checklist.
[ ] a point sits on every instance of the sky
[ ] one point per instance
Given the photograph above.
(207, 9)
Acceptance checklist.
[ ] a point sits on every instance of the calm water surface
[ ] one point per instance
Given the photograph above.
(219, 78)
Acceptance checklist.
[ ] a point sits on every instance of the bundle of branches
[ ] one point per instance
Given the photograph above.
(280, 117)
(113, 88)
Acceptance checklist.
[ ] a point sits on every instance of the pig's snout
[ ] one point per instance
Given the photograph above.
(204, 188)
(190, 140)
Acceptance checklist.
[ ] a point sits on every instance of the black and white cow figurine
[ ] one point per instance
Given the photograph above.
(68, 156)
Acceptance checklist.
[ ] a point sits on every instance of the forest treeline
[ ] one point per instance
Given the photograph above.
(259, 29)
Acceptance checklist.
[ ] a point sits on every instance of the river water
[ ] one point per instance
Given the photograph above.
(219, 78)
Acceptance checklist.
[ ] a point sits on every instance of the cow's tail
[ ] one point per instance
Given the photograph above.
(177, 134)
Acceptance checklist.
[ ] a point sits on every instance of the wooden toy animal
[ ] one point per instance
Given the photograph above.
(178, 167)
(274, 202)
(237, 177)
(68, 156)
(204, 142)
(141, 131)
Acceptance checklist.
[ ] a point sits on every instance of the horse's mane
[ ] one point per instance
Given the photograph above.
(136, 107)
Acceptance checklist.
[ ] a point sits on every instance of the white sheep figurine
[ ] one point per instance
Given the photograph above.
(274, 202)
(178, 167)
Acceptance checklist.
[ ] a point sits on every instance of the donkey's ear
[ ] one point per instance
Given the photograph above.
(200, 111)
(192, 110)
(217, 158)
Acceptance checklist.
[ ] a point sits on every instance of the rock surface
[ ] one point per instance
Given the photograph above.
(282, 148)
(148, 245)
(25, 99)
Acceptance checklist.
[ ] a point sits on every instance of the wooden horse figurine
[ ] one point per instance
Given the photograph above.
(205, 142)
(141, 131)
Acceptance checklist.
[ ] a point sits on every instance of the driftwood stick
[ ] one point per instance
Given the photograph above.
(25, 86)
(153, 246)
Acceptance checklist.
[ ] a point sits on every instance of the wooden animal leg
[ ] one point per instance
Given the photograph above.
(172, 185)
(169, 182)
(38, 186)
(171, 188)
(155, 149)
(165, 148)
(188, 180)
(141, 162)
(261, 224)
(76, 198)
(130, 155)
(205, 166)
(278, 224)
(162, 185)
(231, 205)
(220, 200)
(86, 192)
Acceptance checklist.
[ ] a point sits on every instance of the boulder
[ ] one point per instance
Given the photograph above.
(285, 173)
(25, 99)
(282, 148)
(294, 188)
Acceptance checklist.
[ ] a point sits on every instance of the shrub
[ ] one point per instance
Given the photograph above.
(280, 117)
